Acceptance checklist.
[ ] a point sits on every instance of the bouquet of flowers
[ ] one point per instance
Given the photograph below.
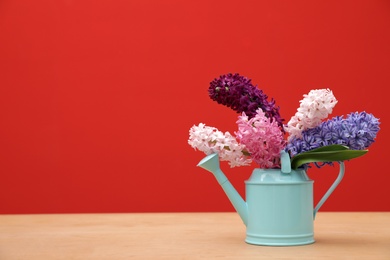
(308, 137)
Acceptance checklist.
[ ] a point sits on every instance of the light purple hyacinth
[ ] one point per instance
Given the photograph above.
(238, 93)
(358, 131)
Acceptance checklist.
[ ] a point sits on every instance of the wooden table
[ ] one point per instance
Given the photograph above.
(183, 236)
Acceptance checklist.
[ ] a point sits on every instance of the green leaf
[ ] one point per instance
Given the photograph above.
(325, 155)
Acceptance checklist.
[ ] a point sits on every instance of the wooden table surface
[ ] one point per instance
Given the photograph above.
(183, 236)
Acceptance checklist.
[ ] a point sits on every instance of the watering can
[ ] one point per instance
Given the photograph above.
(278, 210)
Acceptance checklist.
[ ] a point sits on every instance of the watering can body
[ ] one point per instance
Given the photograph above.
(278, 210)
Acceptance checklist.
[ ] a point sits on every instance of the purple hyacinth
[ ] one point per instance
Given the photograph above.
(238, 93)
(358, 131)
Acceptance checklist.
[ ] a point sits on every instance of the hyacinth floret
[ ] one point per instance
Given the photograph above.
(210, 140)
(262, 138)
(362, 130)
(238, 93)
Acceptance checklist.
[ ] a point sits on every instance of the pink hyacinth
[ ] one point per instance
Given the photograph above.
(210, 140)
(262, 138)
(315, 107)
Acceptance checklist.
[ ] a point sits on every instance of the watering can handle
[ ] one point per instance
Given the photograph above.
(331, 189)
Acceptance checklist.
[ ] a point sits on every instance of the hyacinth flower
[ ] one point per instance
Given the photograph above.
(260, 135)
(346, 137)
(210, 140)
(238, 93)
(262, 138)
(314, 108)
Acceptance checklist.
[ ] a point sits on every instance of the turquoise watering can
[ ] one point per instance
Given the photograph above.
(278, 210)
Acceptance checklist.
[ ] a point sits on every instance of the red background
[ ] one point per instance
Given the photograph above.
(97, 97)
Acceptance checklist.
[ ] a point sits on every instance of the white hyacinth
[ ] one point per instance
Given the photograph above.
(315, 107)
(210, 140)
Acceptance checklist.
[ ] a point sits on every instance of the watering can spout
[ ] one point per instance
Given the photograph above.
(211, 164)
